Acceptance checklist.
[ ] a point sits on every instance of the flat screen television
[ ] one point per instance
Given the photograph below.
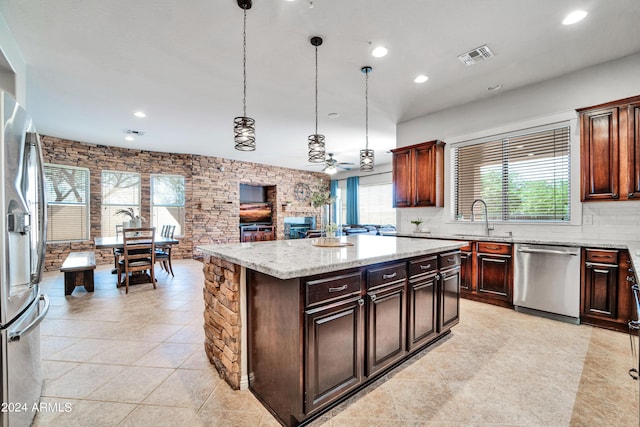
(255, 213)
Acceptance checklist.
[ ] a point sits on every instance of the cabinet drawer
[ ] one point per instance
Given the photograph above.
(423, 265)
(332, 288)
(466, 248)
(449, 259)
(494, 248)
(602, 256)
(387, 274)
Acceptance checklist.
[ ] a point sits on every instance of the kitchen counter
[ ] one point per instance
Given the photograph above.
(632, 246)
(286, 259)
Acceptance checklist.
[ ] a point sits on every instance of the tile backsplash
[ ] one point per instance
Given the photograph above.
(600, 220)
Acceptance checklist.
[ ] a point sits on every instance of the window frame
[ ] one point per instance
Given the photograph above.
(87, 204)
(503, 137)
(184, 203)
(102, 200)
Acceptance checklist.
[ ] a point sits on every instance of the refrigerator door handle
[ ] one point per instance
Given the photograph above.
(33, 139)
(15, 336)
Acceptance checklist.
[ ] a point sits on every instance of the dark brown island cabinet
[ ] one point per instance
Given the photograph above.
(610, 150)
(313, 341)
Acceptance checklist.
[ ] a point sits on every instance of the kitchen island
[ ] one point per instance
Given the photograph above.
(304, 326)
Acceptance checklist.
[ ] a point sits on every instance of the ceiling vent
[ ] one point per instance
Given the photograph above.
(476, 55)
(133, 132)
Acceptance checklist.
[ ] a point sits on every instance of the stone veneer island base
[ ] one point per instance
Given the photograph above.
(304, 327)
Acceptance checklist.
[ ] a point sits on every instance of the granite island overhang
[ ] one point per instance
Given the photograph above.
(303, 326)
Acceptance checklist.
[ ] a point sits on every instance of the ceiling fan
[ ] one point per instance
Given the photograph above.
(331, 165)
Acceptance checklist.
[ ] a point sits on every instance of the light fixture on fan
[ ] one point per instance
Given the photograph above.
(244, 127)
(367, 156)
(316, 141)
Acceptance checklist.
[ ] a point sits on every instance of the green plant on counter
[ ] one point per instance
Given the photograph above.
(321, 197)
(417, 222)
(331, 227)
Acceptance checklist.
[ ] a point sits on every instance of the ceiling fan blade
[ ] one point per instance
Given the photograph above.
(346, 163)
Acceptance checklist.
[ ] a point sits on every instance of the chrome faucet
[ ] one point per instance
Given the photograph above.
(486, 215)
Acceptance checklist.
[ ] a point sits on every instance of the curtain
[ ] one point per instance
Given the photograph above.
(352, 200)
(334, 193)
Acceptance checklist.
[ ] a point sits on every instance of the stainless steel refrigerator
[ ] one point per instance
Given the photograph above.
(22, 248)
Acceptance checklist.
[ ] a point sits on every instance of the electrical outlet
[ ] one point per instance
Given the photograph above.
(587, 219)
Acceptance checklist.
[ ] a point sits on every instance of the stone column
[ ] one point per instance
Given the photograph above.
(222, 325)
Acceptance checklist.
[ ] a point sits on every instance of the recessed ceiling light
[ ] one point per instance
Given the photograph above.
(379, 51)
(140, 114)
(129, 138)
(333, 115)
(494, 88)
(421, 78)
(573, 17)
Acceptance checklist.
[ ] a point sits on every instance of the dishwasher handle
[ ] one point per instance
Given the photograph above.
(546, 251)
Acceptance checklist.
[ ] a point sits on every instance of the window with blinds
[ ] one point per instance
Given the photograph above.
(120, 190)
(375, 200)
(167, 201)
(521, 177)
(67, 193)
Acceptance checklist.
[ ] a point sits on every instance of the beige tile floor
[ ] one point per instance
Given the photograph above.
(112, 359)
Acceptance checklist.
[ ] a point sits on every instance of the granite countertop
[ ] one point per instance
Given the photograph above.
(286, 259)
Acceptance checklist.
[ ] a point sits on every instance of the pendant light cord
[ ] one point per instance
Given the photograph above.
(316, 90)
(366, 109)
(244, 66)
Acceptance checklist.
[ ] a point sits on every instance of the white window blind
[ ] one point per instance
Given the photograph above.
(520, 177)
(67, 194)
(120, 190)
(168, 201)
(375, 194)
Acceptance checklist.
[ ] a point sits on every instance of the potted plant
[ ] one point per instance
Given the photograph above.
(321, 197)
(331, 229)
(417, 223)
(135, 221)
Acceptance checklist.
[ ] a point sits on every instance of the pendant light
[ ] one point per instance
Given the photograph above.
(244, 127)
(366, 155)
(316, 141)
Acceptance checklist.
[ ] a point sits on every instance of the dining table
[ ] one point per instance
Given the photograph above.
(113, 242)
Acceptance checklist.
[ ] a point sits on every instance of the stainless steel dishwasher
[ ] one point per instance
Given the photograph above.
(547, 281)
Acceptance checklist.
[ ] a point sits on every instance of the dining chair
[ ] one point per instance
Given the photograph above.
(139, 254)
(163, 256)
(117, 252)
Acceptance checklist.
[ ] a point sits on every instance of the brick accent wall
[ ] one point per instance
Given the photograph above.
(222, 318)
(212, 195)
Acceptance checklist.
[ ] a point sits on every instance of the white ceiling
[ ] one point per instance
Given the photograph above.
(92, 63)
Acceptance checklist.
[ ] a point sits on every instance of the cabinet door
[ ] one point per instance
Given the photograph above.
(402, 173)
(333, 352)
(494, 276)
(422, 311)
(601, 290)
(466, 272)
(449, 298)
(427, 176)
(633, 148)
(599, 153)
(386, 327)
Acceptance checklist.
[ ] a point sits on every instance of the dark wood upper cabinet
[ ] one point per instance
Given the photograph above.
(418, 175)
(610, 150)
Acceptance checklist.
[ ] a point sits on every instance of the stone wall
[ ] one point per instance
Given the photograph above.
(212, 187)
(222, 318)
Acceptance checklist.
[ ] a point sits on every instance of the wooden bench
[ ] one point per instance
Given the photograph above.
(78, 271)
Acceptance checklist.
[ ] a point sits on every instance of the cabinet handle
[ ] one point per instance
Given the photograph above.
(450, 259)
(373, 297)
(631, 270)
(425, 267)
(615, 195)
(338, 289)
(389, 276)
(493, 248)
(631, 195)
(360, 302)
(631, 279)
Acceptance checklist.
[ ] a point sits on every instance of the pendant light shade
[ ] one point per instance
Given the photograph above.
(367, 156)
(316, 141)
(244, 129)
